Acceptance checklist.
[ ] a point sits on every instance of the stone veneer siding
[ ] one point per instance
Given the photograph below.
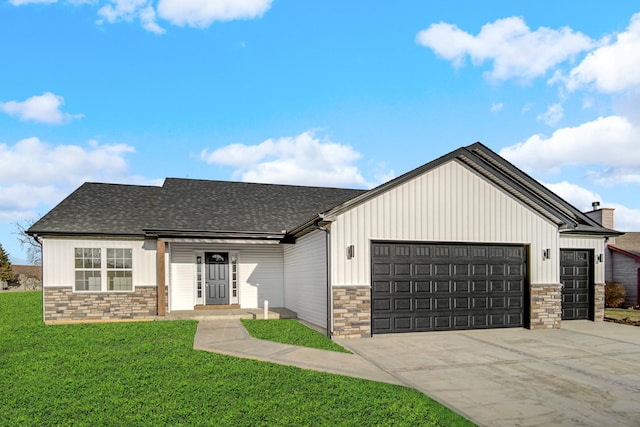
(62, 304)
(546, 306)
(598, 290)
(351, 312)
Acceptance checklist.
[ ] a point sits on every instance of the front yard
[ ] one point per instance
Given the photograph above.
(148, 374)
(622, 315)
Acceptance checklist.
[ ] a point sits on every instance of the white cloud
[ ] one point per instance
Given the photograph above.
(201, 13)
(553, 115)
(612, 176)
(31, 161)
(23, 2)
(578, 196)
(193, 13)
(515, 50)
(34, 173)
(610, 141)
(614, 67)
(626, 219)
(496, 107)
(128, 11)
(303, 159)
(43, 108)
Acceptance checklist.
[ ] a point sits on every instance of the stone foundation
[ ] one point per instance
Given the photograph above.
(62, 304)
(546, 306)
(598, 297)
(351, 312)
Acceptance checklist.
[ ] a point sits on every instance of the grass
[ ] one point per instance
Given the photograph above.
(139, 374)
(621, 313)
(289, 331)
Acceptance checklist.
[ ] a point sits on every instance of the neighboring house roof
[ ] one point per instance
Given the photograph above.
(200, 208)
(187, 207)
(628, 244)
(34, 271)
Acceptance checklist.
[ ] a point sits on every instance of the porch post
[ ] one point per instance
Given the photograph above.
(162, 300)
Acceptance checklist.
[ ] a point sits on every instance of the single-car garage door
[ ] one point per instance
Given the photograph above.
(434, 286)
(577, 290)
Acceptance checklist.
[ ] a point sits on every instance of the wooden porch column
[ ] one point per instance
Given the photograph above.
(162, 300)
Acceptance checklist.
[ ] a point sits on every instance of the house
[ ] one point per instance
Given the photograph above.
(622, 256)
(465, 241)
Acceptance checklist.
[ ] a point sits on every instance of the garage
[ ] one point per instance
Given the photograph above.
(577, 289)
(436, 286)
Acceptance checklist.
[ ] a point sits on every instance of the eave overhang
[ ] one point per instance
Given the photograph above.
(214, 234)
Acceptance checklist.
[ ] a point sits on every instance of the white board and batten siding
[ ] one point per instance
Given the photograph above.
(305, 278)
(450, 203)
(588, 242)
(260, 273)
(58, 259)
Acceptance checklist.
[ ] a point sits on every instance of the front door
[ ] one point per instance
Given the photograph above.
(216, 278)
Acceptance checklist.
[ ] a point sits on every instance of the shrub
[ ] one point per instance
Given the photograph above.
(614, 294)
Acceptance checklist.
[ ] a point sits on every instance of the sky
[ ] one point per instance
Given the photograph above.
(331, 93)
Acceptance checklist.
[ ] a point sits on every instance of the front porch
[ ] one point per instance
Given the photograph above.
(230, 313)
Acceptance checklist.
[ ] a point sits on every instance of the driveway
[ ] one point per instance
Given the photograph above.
(585, 374)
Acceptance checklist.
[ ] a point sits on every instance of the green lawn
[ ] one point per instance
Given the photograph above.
(131, 374)
(621, 313)
(289, 331)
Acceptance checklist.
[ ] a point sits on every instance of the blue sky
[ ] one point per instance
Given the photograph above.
(333, 93)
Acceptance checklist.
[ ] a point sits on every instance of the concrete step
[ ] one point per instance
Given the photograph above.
(251, 313)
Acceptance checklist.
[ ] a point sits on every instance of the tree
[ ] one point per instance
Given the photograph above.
(30, 244)
(6, 273)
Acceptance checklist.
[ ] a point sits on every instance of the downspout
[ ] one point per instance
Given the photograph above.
(327, 234)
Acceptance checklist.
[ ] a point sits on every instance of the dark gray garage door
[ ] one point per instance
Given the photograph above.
(577, 290)
(430, 287)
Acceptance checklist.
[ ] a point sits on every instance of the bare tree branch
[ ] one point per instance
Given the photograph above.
(30, 244)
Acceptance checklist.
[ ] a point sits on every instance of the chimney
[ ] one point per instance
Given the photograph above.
(595, 205)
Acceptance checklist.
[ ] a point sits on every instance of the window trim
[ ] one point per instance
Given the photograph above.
(104, 269)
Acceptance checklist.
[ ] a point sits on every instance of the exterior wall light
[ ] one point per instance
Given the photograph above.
(546, 254)
(351, 251)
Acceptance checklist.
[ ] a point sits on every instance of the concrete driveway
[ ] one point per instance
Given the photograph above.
(585, 374)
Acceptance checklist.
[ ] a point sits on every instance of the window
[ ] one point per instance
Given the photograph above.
(88, 271)
(119, 270)
(103, 270)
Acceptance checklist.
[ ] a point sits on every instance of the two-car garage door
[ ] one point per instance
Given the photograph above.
(433, 286)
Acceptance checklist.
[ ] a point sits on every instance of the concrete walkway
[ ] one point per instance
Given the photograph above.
(228, 336)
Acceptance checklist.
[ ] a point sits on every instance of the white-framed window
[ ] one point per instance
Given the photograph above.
(88, 262)
(103, 269)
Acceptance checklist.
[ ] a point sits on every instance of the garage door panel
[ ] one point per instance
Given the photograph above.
(423, 287)
(480, 286)
(480, 302)
(423, 303)
(461, 303)
(498, 286)
(441, 286)
(461, 286)
(402, 323)
(402, 304)
(402, 286)
(382, 305)
(381, 269)
(381, 287)
(422, 270)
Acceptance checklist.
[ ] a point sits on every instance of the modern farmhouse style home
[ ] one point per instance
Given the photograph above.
(466, 241)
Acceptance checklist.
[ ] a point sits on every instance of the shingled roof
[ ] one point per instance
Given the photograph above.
(188, 207)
